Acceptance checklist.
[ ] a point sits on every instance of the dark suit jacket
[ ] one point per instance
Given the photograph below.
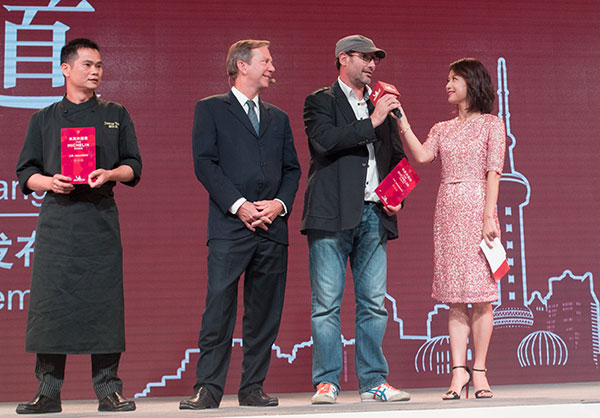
(231, 161)
(337, 141)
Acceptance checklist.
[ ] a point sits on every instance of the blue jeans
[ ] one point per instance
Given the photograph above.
(365, 245)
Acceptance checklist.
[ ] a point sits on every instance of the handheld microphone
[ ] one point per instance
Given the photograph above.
(380, 90)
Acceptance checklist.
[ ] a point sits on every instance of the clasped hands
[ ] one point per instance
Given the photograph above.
(259, 214)
(62, 184)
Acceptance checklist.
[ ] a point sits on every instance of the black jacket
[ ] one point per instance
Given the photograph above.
(232, 161)
(337, 141)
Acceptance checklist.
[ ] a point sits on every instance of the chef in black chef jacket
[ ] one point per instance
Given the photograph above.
(76, 300)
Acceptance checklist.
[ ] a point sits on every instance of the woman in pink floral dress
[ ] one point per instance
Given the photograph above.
(471, 150)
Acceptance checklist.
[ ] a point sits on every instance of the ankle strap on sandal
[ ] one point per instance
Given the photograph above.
(460, 367)
(480, 370)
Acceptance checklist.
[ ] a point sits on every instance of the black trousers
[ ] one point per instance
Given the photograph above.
(50, 371)
(264, 264)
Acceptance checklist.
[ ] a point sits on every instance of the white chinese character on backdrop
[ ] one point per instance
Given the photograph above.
(27, 250)
(11, 57)
(4, 241)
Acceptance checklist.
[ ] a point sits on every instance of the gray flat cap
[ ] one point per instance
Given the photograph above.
(357, 43)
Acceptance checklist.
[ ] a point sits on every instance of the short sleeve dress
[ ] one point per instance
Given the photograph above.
(467, 151)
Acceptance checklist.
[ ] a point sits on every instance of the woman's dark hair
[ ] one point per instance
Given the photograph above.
(480, 90)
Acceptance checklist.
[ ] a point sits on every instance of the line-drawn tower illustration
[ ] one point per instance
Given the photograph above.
(434, 354)
(570, 314)
(542, 349)
(572, 309)
(511, 309)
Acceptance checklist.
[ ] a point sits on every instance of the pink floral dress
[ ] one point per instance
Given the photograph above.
(467, 151)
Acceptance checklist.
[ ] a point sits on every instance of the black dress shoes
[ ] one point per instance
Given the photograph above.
(115, 402)
(258, 398)
(39, 405)
(202, 399)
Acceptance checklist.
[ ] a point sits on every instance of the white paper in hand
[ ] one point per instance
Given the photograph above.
(496, 257)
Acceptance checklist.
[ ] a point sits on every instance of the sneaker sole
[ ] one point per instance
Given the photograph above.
(399, 398)
(322, 400)
(393, 399)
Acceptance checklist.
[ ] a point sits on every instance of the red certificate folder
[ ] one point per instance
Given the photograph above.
(398, 184)
(78, 153)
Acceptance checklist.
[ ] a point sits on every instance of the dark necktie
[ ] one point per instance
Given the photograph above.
(252, 115)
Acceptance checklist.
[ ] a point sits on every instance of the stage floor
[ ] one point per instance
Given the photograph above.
(574, 400)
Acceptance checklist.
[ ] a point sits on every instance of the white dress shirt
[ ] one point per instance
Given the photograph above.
(361, 111)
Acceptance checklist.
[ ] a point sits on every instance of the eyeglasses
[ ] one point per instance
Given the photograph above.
(366, 58)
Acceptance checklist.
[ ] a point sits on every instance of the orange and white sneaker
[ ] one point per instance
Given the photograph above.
(384, 393)
(326, 393)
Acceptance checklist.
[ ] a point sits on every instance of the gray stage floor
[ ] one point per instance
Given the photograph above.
(573, 400)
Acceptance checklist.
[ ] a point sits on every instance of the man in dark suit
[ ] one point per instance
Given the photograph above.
(353, 146)
(244, 155)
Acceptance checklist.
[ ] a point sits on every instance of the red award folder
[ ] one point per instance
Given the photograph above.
(78, 153)
(398, 184)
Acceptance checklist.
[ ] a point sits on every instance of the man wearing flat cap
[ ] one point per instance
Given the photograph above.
(353, 145)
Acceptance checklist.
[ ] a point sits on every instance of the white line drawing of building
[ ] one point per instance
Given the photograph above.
(542, 348)
(571, 309)
(511, 309)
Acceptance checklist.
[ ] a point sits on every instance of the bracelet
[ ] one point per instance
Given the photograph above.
(406, 130)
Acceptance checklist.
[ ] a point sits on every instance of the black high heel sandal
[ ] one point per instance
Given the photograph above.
(483, 393)
(455, 396)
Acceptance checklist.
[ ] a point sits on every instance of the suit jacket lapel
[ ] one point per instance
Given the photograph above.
(378, 132)
(370, 106)
(239, 112)
(265, 118)
(342, 102)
